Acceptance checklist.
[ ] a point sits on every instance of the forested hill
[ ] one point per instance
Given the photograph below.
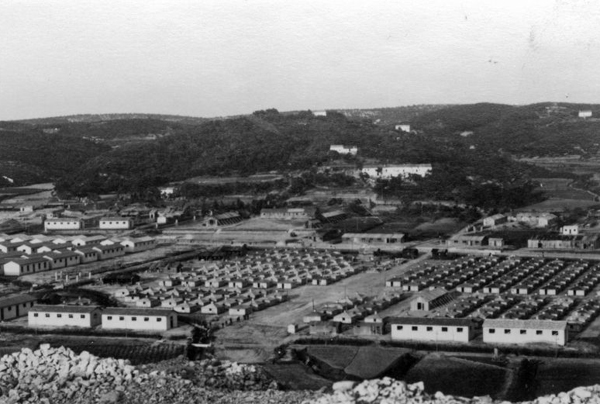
(269, 141)
(30, 157)
(545, 129)
(472, 141)
(88, 118)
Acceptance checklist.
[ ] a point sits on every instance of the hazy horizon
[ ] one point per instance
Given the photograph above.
(211, 58)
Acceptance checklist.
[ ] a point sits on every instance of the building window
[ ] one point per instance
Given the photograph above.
(159, 319)
(133, 318)
(538, 332)
(523, 332)
(122, 318)
(444, 329)
(47, 315)
(492, 331)
(507, 331)
(429, 328)
(415, 328)
(82, 316)
(555, 333)
(146, 318)
(70, 316)
(59, 315)
(399, 327)
(35, 314)
(109, 317)
(459, 329)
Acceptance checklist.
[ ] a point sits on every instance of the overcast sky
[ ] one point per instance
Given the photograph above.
(215, 58)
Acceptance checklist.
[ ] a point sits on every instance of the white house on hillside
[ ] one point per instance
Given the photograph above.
(400, 170)
(341, 149)
(571, 230)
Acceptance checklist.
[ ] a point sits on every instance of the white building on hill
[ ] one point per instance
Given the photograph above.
(400, 170)
(341, 149)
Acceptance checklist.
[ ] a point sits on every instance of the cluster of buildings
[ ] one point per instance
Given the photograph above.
(240, 286)
(532, 311)
(24, 254)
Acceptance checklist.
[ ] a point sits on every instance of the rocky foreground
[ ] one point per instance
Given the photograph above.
(58, 375)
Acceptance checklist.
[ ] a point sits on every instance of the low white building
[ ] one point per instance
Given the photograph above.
(63, 223)
(87, 241)
(373, 238)
(400, 170)
(404, 127)
(137, 244)
(115, 223)
(571, 230)
(64, 316)
(15, 306)
(341, 149)
(109, 251)
(288, 213)
(494, 220)
(22, 266)
(124, 318)
(63, 259)
(509, 331)
(88, 254)
(432, 329)
(585, 114)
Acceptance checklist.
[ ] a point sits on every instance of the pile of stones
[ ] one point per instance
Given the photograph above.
(390, 391)
(49, 374)
(56, 375)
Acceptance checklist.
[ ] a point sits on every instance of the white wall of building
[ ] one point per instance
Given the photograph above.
(421, 332)
(140, 322)
(62, 224)
(516, 335)
(402, 171)
(64, 319)
(115, 224)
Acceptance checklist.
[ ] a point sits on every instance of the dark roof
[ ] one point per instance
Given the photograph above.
(136, 311)
(529, 324)
(108, 247)
(11, 301)
(463, 322)
(46, 308)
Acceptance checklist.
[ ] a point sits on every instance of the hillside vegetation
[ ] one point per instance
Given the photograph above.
(471, 147)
